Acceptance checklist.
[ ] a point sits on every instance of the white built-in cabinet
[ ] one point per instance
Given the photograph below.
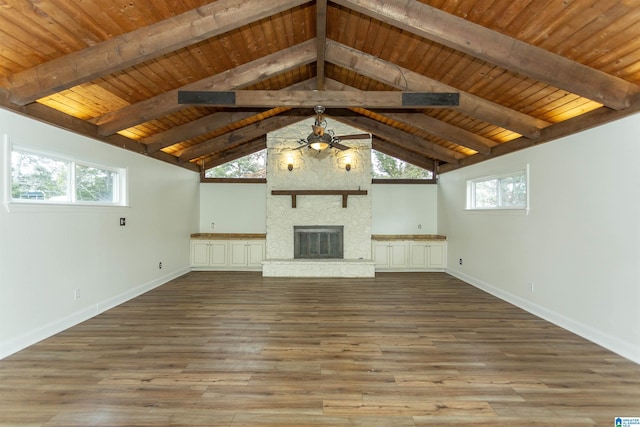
(246, 253)
(428, 254)
(231, 254)
(410, 255)
(209, 253)
(390, 254)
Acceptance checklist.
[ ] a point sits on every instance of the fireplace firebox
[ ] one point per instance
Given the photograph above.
(318, 241)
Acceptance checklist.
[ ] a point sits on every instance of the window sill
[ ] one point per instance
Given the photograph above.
(498, 211)
(31, 207)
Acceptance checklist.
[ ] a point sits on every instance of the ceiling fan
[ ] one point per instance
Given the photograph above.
(322, 138)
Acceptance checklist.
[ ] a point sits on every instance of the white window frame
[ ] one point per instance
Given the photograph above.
(120, 198)
(471, 193)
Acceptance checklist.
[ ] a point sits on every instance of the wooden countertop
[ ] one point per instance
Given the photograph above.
(228, 236)
(381, 237)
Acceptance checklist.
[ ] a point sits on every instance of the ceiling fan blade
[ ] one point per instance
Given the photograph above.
(354, 136)
(340, 146)
(301, 147)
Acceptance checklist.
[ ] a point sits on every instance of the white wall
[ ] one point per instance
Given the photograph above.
(404, 209)
(46, 252)
(579, 245)
(396, 208)
(233, 208)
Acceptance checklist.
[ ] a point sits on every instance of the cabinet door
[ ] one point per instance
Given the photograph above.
(437, 255)
(255, 253)
(238, 253)
(381, 254)
(419, 255)
(399, 255)
(218, 253)
(200, 253)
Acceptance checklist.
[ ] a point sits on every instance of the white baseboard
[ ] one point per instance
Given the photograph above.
(14, 345)
(596, 336)
(137, 291)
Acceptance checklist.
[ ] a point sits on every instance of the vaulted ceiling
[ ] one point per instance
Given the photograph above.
(526, 71)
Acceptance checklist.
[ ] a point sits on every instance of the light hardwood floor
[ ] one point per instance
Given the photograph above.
(236, 349)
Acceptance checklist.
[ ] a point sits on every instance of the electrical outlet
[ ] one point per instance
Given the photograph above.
(531, 287)
(419, 226)
(160, 265)
(213, 225)
(123, 222)
(76, 293)
(460, 261)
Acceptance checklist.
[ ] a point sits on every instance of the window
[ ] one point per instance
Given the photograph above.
(42, 178)
(508, 191)
(384, 166)
(251, 166)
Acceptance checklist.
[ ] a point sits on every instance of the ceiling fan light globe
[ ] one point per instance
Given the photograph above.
(319, 145)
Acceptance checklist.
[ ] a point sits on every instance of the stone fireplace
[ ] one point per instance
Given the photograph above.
(319, 181)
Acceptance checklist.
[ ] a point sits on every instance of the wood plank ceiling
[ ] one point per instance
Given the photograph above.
(527, 71)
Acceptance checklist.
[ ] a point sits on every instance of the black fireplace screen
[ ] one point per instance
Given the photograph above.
(318, 241)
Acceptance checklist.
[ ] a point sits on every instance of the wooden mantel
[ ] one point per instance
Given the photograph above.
(344, 193)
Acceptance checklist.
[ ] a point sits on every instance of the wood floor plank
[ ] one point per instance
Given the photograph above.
(391, 407)
(236, 349)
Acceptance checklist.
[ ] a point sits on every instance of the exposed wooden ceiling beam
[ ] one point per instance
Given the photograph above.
(57, 118)
(444, 130)
(193, 129)
(432, 125)
(243, 75)
(401, 78)
(321, 41)
(138, 46)
(206, 124)
(329, 99)
(405, 139)
(568, 127)
(246, 134)
(510, 53)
